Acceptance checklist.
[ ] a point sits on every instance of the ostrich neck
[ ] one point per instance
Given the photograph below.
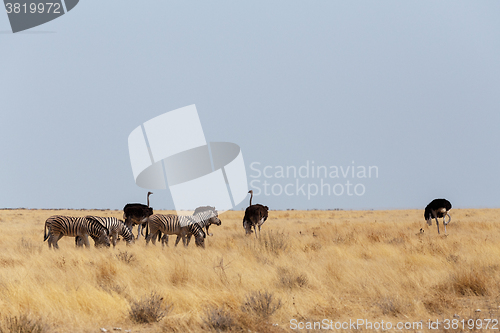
(251, 196)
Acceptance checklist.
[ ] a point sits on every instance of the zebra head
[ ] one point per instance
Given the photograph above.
(103, 239)
(98, 232)
(207, 213)
(200, 239)
(126, 233)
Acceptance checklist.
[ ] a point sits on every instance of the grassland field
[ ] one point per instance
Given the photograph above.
(307, 266)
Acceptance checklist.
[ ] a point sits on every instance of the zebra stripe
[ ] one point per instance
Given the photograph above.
(173, 225)
(58, 226)
(115, 227)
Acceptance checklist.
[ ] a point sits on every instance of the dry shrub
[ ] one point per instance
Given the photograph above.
(274, 242)
(288, 278)
(23, 324)
(375, 237)
(391, 306)
(125, 257)
(261, 303)
(453, 258)
(469, 283)
(315, 246)
(9, 262)
(218, 319)
(439, 303)
(347, 239)
(149, 309)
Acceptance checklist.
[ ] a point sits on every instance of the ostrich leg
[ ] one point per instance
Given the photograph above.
(437, 222)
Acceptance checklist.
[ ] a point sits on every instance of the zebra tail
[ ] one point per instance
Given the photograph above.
(147, 229)
(159, 236)
(45, 235)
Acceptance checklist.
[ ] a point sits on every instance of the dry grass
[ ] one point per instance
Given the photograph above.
(309, 266)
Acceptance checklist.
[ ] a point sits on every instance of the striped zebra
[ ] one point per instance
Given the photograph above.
(205, 216)
(58, 226)
(173, 225)
(115, 227)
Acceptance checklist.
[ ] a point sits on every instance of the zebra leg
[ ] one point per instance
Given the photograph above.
(114, 237)
(150, 237)
(86, 241)
(188, 239)
(78, 241)
(179, 237)
(50, 239)
(164, 240)
(55, 240)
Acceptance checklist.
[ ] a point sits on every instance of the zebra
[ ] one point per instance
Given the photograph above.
(115, 227)
(205, 216)
(173, 225)
(58, 226)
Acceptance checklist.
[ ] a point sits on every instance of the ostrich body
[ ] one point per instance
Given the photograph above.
(438, 208)
(255, 215)
(136, 213)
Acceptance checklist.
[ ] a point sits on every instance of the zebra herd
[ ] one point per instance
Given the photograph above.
(102, 229)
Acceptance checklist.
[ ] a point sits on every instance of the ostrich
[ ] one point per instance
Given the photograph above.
(136, 213)
(255, 215)
(436, 209)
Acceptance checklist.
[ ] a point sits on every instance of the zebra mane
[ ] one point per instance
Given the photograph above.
(204, 215)
(204, 209)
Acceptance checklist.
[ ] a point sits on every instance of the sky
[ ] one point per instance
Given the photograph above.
(407, 90)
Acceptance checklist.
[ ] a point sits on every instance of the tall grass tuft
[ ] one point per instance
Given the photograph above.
(274, 242)
(289, 278)
(470, 283)
(149, 309)
(23, 324)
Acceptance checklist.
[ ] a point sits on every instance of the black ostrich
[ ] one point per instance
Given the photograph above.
(436, 209)
(255, 215)
(136, 213)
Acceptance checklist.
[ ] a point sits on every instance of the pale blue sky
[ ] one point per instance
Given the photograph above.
(412, 88)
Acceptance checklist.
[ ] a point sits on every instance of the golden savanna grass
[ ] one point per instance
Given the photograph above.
(307, 265)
